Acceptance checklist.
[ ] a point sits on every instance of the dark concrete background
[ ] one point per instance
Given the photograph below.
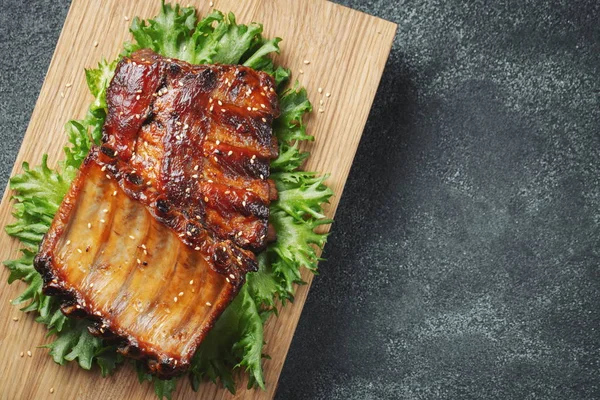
(463, 263)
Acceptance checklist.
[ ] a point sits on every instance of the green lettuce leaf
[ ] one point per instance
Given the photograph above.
(236, 341)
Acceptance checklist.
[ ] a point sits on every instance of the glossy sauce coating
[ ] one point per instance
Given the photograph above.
(159, 228)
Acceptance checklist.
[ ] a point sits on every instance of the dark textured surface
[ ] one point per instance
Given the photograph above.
(464, 259)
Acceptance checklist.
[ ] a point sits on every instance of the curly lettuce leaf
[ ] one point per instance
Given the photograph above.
(217, 38)
(38, 194)
(236, 341)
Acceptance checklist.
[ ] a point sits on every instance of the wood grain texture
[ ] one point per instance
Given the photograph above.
(347, 51)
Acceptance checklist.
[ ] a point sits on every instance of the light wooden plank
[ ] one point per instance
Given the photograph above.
(347, 51)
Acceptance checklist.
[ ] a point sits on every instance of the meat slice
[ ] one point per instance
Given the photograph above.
(163, 221)
(194, 143)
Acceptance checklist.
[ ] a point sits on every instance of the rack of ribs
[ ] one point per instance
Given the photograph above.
(165, 218)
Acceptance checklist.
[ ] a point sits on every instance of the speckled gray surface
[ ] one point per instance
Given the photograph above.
(464, 260)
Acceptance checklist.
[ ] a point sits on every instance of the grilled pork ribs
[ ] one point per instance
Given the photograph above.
(165, 218)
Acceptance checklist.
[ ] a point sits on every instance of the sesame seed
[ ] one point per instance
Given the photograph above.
(321, 110)
(137, 97)
(222, 110)
(15, 319)
(229, 152)
(115, 193)
(180, 294)
(145, 252)
(220, 102)
(95, 44)
(327, 94)
(68, 242)
(143, 246)
(149, 183)
(209, 180)
(180, 83)
(196, 168)
(206, 199)
(51, 390)
(108, 176)
(227, 191)
(306, 62)
(140, 90)
(211, 4)
(254, 156)
(105, 210)
(321, 102)
(224, 249)
(98, 313)
(227, 279)
(192, 282)
(175, 299)
(210, 99)
(89, 225)
(216, 160)
(208, 303)
(187, 190)
(103, 221)
(62, 94)
(137, 116)
(92, 285)
(185, 126)
(264, 120)
(69, 84)
(139, 261)
(251, 161)
(126, 18)
(239, 233)
(262, 176)
(232, 276)
(28, 353)
(244, 203)
(131, 237)
(79, 250)
(301, 71)
(211, 108)
(197, 248)
(254, 109)
(195, 176)
(178, 123)
(21, 354)
(249, 109)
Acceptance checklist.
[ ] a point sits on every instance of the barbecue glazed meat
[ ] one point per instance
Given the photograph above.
(194, 144)
(163, 221)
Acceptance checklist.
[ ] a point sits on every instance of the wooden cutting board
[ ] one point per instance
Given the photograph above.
(346, 50)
